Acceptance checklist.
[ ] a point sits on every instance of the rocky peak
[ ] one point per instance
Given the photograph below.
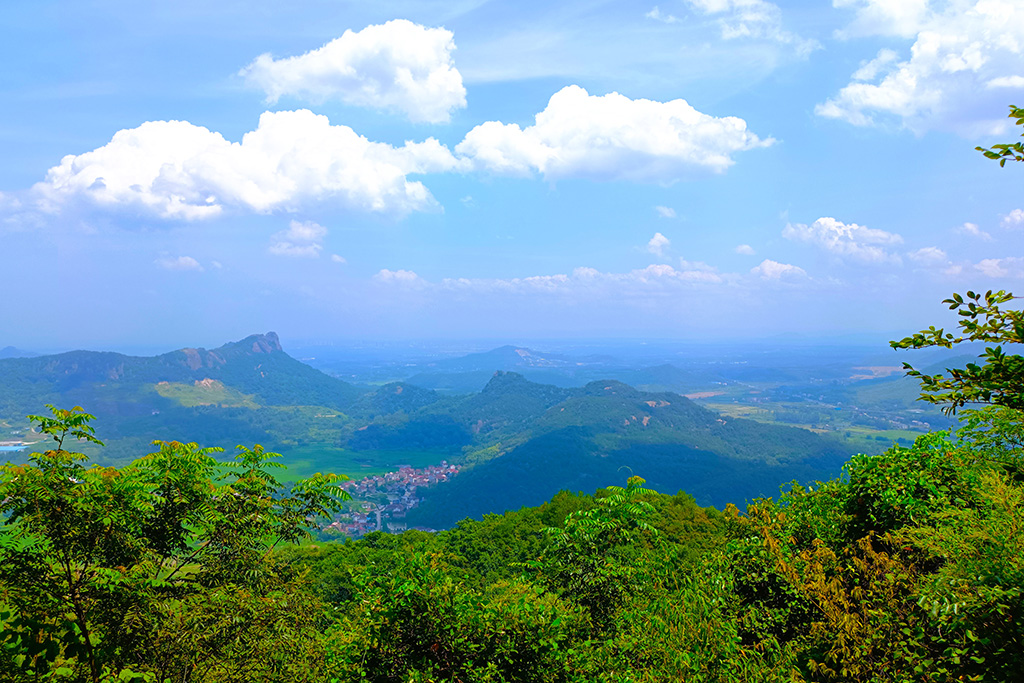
(265, 343)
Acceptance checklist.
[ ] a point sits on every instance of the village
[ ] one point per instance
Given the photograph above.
(380, 503)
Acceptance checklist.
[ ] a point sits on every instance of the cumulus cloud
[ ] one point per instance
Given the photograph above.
(744, 249)
(928, 256)
(399, 66)
(1009, 267)
(965, 53)
(338, 258)
(178, 263)
(665, 211)
(610, 137)
(300, 239)
(973, 230)
(1015, 82)
(773, 270)
(657, 15)
(658, 243)
(175, 169)
(752, 19)
(857, 242)
(1014, 219)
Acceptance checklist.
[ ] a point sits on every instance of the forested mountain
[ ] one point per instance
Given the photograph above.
(244, 391)
(519, 442)
(256, 366)
(578, 439)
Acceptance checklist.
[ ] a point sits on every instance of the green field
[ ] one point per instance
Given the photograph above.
(306, 460)
(863, 439)
(205, 393)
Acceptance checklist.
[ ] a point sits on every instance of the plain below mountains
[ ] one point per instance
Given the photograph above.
(520, 441)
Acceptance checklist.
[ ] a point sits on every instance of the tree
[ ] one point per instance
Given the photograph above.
(999, 380)
(1013, 151)
(594, 555)
(102, 569)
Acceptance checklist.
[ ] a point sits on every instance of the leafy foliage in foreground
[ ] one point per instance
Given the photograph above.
(999, 379)
(1007, 151)
(910, 567)
(161, 570)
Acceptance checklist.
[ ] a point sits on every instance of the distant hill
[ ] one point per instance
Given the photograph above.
(204, 395)
(501, 358)
(528, 441)
(255, 365)
(471, 373)
(11, 352)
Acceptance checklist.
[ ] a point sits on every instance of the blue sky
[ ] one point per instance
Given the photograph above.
(180, 174)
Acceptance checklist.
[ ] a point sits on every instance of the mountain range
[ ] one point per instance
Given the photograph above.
(519, 441)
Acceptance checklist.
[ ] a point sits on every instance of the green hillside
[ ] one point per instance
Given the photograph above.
(256, 366)
(245, 391)
(600, 432)
(507, 435)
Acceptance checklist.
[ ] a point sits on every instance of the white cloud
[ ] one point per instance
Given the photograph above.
(928, 256)
(1010, 267)
(398, 276)
(773, 270)
(610, 137)
(752, 19)
(964, 53)
(665, 211)
(870, 70)
(655, 277)
(175, 169)
(337, 258)
(744, 249)
(300, 239)
(8, 202)
(846, 239)
(902, 18)
(399, 66)
(178, 263)
(656, 14)
(973, 230)
(1014, 219)
(1015, 82)
(657, 244)
(696, 266)
(216, 264)
(690, 272)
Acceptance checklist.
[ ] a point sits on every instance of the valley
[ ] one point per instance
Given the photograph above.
(519, 424)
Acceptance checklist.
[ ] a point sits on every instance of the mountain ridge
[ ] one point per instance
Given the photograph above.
(520, 441)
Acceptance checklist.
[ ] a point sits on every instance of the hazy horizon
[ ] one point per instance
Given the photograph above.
(634, 352)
